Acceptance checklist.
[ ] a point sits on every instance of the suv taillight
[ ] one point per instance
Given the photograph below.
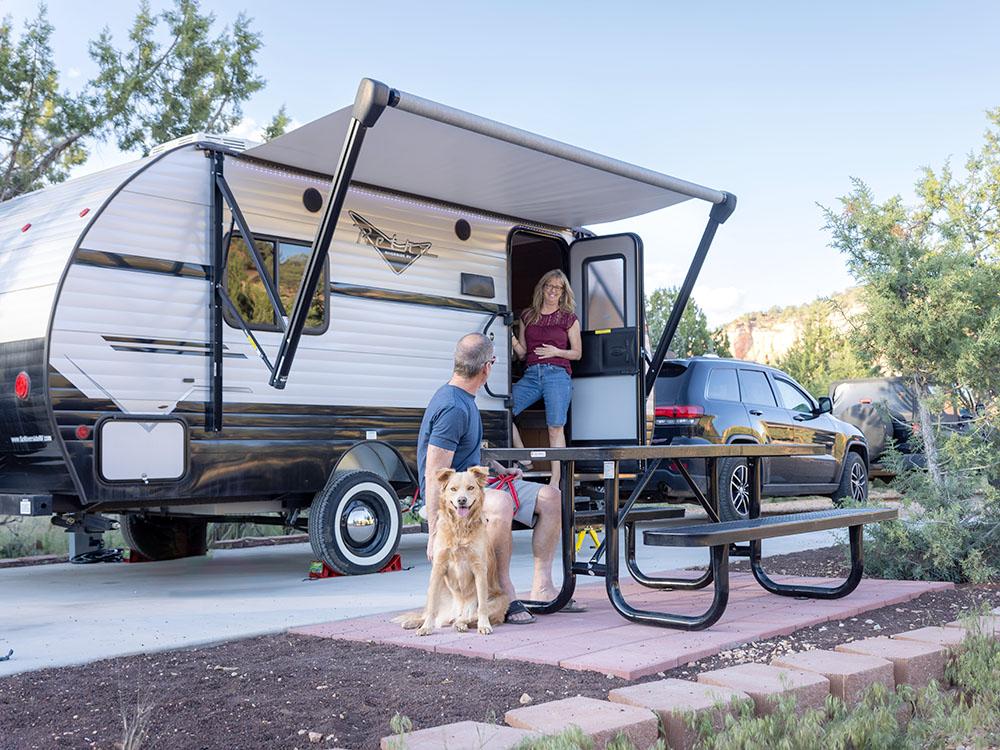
(680, 412)
(22, 386)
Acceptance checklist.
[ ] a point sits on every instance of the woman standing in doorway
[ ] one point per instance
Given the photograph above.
(549, 339)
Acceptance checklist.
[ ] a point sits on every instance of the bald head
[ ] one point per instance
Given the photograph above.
(472, 353)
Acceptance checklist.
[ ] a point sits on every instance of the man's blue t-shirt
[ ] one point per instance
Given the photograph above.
(451, 422)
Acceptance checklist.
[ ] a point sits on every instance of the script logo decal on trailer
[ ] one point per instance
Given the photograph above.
(399, 255)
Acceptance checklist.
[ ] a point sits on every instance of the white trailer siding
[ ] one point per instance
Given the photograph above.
(32, 261)
(140, 339)
(162, 214)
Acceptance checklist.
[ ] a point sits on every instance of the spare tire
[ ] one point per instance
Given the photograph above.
(163, 537)
(874, 423)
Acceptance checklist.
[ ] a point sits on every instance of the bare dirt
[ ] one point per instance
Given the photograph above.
(272, 691)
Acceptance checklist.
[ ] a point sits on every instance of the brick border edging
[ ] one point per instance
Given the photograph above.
(914, 657)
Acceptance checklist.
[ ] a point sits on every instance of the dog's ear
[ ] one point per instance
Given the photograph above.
(442, 475)
(481, 473)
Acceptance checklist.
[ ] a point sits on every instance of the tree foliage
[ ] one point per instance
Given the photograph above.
(693, 336)
(932, 274)
(821, 355)
(172, 77)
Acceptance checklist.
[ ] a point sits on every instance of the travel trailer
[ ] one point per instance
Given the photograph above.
(223, 331)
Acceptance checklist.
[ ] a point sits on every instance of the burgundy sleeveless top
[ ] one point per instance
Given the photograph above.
(549, 329)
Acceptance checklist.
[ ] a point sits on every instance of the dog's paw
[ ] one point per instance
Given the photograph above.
(425, 630)
(461, 627)
(411, 624)
(485, 628)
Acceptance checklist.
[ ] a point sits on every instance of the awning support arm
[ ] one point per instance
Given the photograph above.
(718, 215)
(228, 303)
(266, 276)
(372, 99)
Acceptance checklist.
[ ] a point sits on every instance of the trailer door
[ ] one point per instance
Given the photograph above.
(606, 276)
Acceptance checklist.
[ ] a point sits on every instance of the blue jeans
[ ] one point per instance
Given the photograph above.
(550, 383)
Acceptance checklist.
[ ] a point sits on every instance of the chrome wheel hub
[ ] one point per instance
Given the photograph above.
(361, 524)
(859, 483)
(739, 490)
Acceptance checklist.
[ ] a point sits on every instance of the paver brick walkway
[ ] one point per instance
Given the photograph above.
(602, 641)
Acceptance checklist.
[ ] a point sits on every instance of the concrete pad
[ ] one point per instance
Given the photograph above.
(58, 615)
(914, 663)
(765, 684)
(849, 674)
(600, 720)
(470, 734)
(673, 700)
(950, 638)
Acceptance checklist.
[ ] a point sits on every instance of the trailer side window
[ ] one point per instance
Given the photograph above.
(292, 259)
(243, 282)
(285, 262)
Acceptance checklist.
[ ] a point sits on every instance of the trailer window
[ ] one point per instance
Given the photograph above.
(284, 262)
(243, 282)
(292, 259)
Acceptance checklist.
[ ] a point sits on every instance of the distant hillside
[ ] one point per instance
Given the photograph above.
(767, 336)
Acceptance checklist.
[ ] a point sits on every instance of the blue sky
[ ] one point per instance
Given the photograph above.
(780, 103)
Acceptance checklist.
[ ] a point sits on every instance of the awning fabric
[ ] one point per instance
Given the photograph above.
(431, 150)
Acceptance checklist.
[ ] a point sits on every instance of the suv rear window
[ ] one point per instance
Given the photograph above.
(756, 389)
(722, 384)
(668, 384)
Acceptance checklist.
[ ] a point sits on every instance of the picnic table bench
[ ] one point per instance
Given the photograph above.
(720, 537)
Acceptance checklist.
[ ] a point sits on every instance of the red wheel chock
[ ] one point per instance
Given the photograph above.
(319, 569)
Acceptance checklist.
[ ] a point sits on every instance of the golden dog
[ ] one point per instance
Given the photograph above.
(463, 590)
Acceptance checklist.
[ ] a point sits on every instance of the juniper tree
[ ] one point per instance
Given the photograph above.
(693, 336)
(931, 274)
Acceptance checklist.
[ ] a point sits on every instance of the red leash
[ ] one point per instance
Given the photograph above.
(506, 484)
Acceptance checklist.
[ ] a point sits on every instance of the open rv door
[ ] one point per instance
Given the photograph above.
(608, 400)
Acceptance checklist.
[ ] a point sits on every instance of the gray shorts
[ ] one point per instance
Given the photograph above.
(527, 497)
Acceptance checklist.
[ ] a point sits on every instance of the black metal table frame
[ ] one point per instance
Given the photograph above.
(615, 518)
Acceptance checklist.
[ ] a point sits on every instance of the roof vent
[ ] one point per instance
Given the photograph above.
(226, 141)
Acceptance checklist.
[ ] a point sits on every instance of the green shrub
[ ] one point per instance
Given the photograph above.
(946, 532)
(931, 718)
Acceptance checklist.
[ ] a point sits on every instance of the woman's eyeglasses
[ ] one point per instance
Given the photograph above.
(553, 288)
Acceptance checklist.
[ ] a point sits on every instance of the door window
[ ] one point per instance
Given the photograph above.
(604, 287)
(792, 397)
(756, 389)
(722, 384)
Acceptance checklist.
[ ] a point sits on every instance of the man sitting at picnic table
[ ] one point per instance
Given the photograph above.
(451, 435)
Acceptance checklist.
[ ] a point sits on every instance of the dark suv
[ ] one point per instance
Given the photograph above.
(725, 401)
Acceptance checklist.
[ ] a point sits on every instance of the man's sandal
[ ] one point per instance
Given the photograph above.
(517, 608)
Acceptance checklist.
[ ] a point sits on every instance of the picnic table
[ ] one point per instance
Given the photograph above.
(720, 537)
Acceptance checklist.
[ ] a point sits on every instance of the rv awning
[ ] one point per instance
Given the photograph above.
(427, 149)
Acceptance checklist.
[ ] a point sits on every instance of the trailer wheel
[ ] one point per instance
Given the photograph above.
(355, 523)
(165, 538)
